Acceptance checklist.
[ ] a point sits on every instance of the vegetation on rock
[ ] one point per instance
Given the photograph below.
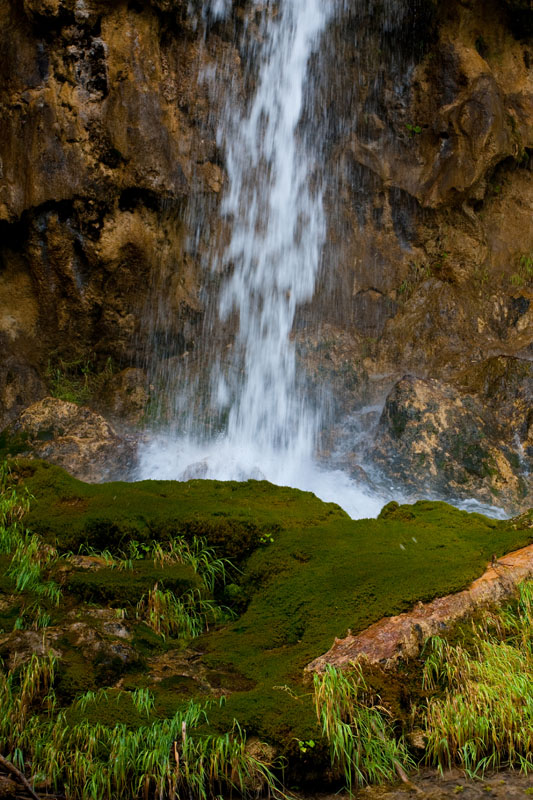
(143, 569)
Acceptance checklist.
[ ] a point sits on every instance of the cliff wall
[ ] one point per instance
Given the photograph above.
(111, 178)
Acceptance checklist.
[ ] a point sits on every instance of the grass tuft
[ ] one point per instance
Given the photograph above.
(482, 716)
(363, 744)
(186, 616)
(89, 761)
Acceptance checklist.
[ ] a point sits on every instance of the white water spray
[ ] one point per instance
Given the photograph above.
(278, 231)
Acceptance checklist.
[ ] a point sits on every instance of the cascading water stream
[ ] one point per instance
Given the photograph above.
(273, 202)
(235, 398)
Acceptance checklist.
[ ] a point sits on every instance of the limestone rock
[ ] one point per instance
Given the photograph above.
(125, 395)
(73, 437)
(20, 385)
(432, 438)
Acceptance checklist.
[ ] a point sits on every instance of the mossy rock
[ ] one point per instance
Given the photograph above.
(124, 588)
(233, 517)
(308, 573)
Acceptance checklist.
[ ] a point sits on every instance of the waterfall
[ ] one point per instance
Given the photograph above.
(273, 207)
(276, 240)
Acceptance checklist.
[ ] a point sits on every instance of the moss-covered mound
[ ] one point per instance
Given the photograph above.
(301, 573)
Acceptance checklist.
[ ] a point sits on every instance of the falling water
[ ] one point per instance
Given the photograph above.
(273, 202)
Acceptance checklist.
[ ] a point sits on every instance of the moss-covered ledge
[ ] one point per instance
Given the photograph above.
(301, 573)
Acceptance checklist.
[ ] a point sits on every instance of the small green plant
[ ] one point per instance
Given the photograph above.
(31, 558)
(187, 616)
(524, 273)
(363, 745)
(483, 718)
(143, 700)
(32, 617)
(306, 745)
(418, 273)
(413, 130)
(78, 380)
(196, 554)
(91, 698)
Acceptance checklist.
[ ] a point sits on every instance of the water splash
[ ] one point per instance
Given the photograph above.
(273, 203)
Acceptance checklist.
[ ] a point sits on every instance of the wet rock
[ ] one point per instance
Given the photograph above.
(126, 396)
(17, 648)
(71, 436)
(103, 642)
(20, 385)
(432, 438)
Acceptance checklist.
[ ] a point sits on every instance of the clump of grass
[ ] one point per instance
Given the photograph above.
(483, 719)
(363, 745)
(14, 504)
(143, 700)
(196, 554)
(86, 761)
(32, 617)
(77, 381)
(31, 557)
(90, 698)
(20, 690)
(186, 616)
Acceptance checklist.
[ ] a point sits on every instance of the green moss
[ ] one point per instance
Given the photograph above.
(308, 573)
(234, 517)
(12, 445)
(124, 588)
(109, 708)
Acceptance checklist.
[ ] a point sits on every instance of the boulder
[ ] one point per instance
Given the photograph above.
(434, 439)
(73, 437)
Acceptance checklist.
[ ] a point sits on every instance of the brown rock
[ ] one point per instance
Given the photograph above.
(126, 396)
(431, 438)
(73, 437)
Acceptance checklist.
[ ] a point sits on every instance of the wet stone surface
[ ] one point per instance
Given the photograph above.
(430, 785)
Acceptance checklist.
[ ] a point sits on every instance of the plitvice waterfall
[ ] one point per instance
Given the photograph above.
(266, 399)
(257, 419)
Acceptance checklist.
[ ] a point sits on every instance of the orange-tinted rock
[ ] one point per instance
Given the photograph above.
(74, 437)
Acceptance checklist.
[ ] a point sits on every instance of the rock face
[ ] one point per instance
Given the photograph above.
(106, 139)
(73, 437)
(111, 178)
(434, 438)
